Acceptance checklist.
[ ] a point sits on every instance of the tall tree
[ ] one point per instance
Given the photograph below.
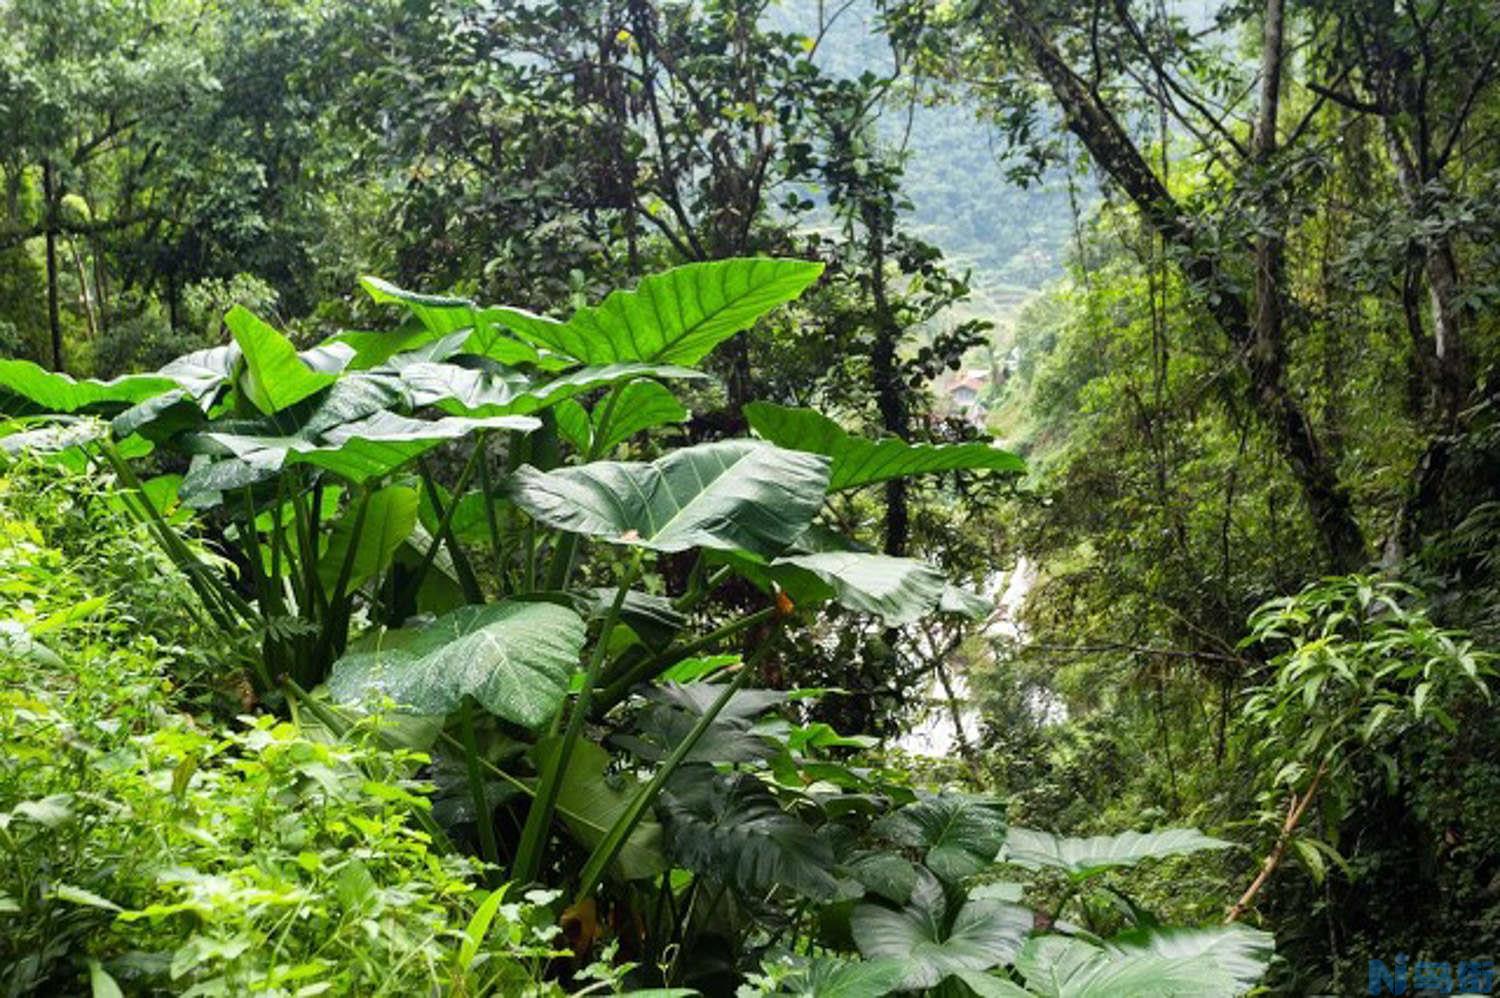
(1092, 58)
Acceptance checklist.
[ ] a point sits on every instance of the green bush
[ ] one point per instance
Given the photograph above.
(146, 847)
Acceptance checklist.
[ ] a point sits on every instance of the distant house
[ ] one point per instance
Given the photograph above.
(967, 387)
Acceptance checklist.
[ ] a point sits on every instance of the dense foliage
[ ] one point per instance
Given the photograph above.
(562, 625)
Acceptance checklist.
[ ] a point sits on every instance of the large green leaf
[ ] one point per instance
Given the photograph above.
(590, 803)
(729, 738)
(675, 317)
(982, 934)
(441, 316)
(514, 658)
(1238, 950)
(1084, 857)
(822, 565)
(392, 350)
(730, 495)
(883, 873)
(27, 389)
(858, 461)
(731, 827)
(465, 391)
(1064, 967)
(898, 590)
(275, 377)
(960, 833)
(201, 372)
(160, 418)
(359, 451)
(390, 514)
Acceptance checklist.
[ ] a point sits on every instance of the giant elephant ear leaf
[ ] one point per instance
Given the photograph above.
(675, 317)
(729, 495)
(27, 389)
(640, 405)
(831, 977)
(1238, 950)
(275, 377)
(1084, 857)
(981, 935)
(464, 391)
(858, 461)
(514, 658)
(201, 372)
(898, 590)
(825, 566)
(1064, 967)
(359, 451)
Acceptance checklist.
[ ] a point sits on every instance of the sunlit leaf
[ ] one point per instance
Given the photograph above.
(27, 389)
(1240, 951)
(275, 377)
(1064, 967)
(675, 317)
(390, 514)
(734, 494)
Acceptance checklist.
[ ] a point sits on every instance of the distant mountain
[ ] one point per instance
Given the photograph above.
(1014, 239)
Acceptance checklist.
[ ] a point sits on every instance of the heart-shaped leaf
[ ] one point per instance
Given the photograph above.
(1238, 950)
(982, 934)
(730, 495)
(275, 376)
(831, 977)
(1064, 967)
(514, 658)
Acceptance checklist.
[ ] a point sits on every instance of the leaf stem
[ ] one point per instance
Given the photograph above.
(466, 579)
(619, 687)
(484, 817)
(609, 847)
(539, 817)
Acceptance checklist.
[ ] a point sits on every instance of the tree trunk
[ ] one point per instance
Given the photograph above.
(49, 207)
(890, 391)
(1116, 155)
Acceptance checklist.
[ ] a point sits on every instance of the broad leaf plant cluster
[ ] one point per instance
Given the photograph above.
(585, 735)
